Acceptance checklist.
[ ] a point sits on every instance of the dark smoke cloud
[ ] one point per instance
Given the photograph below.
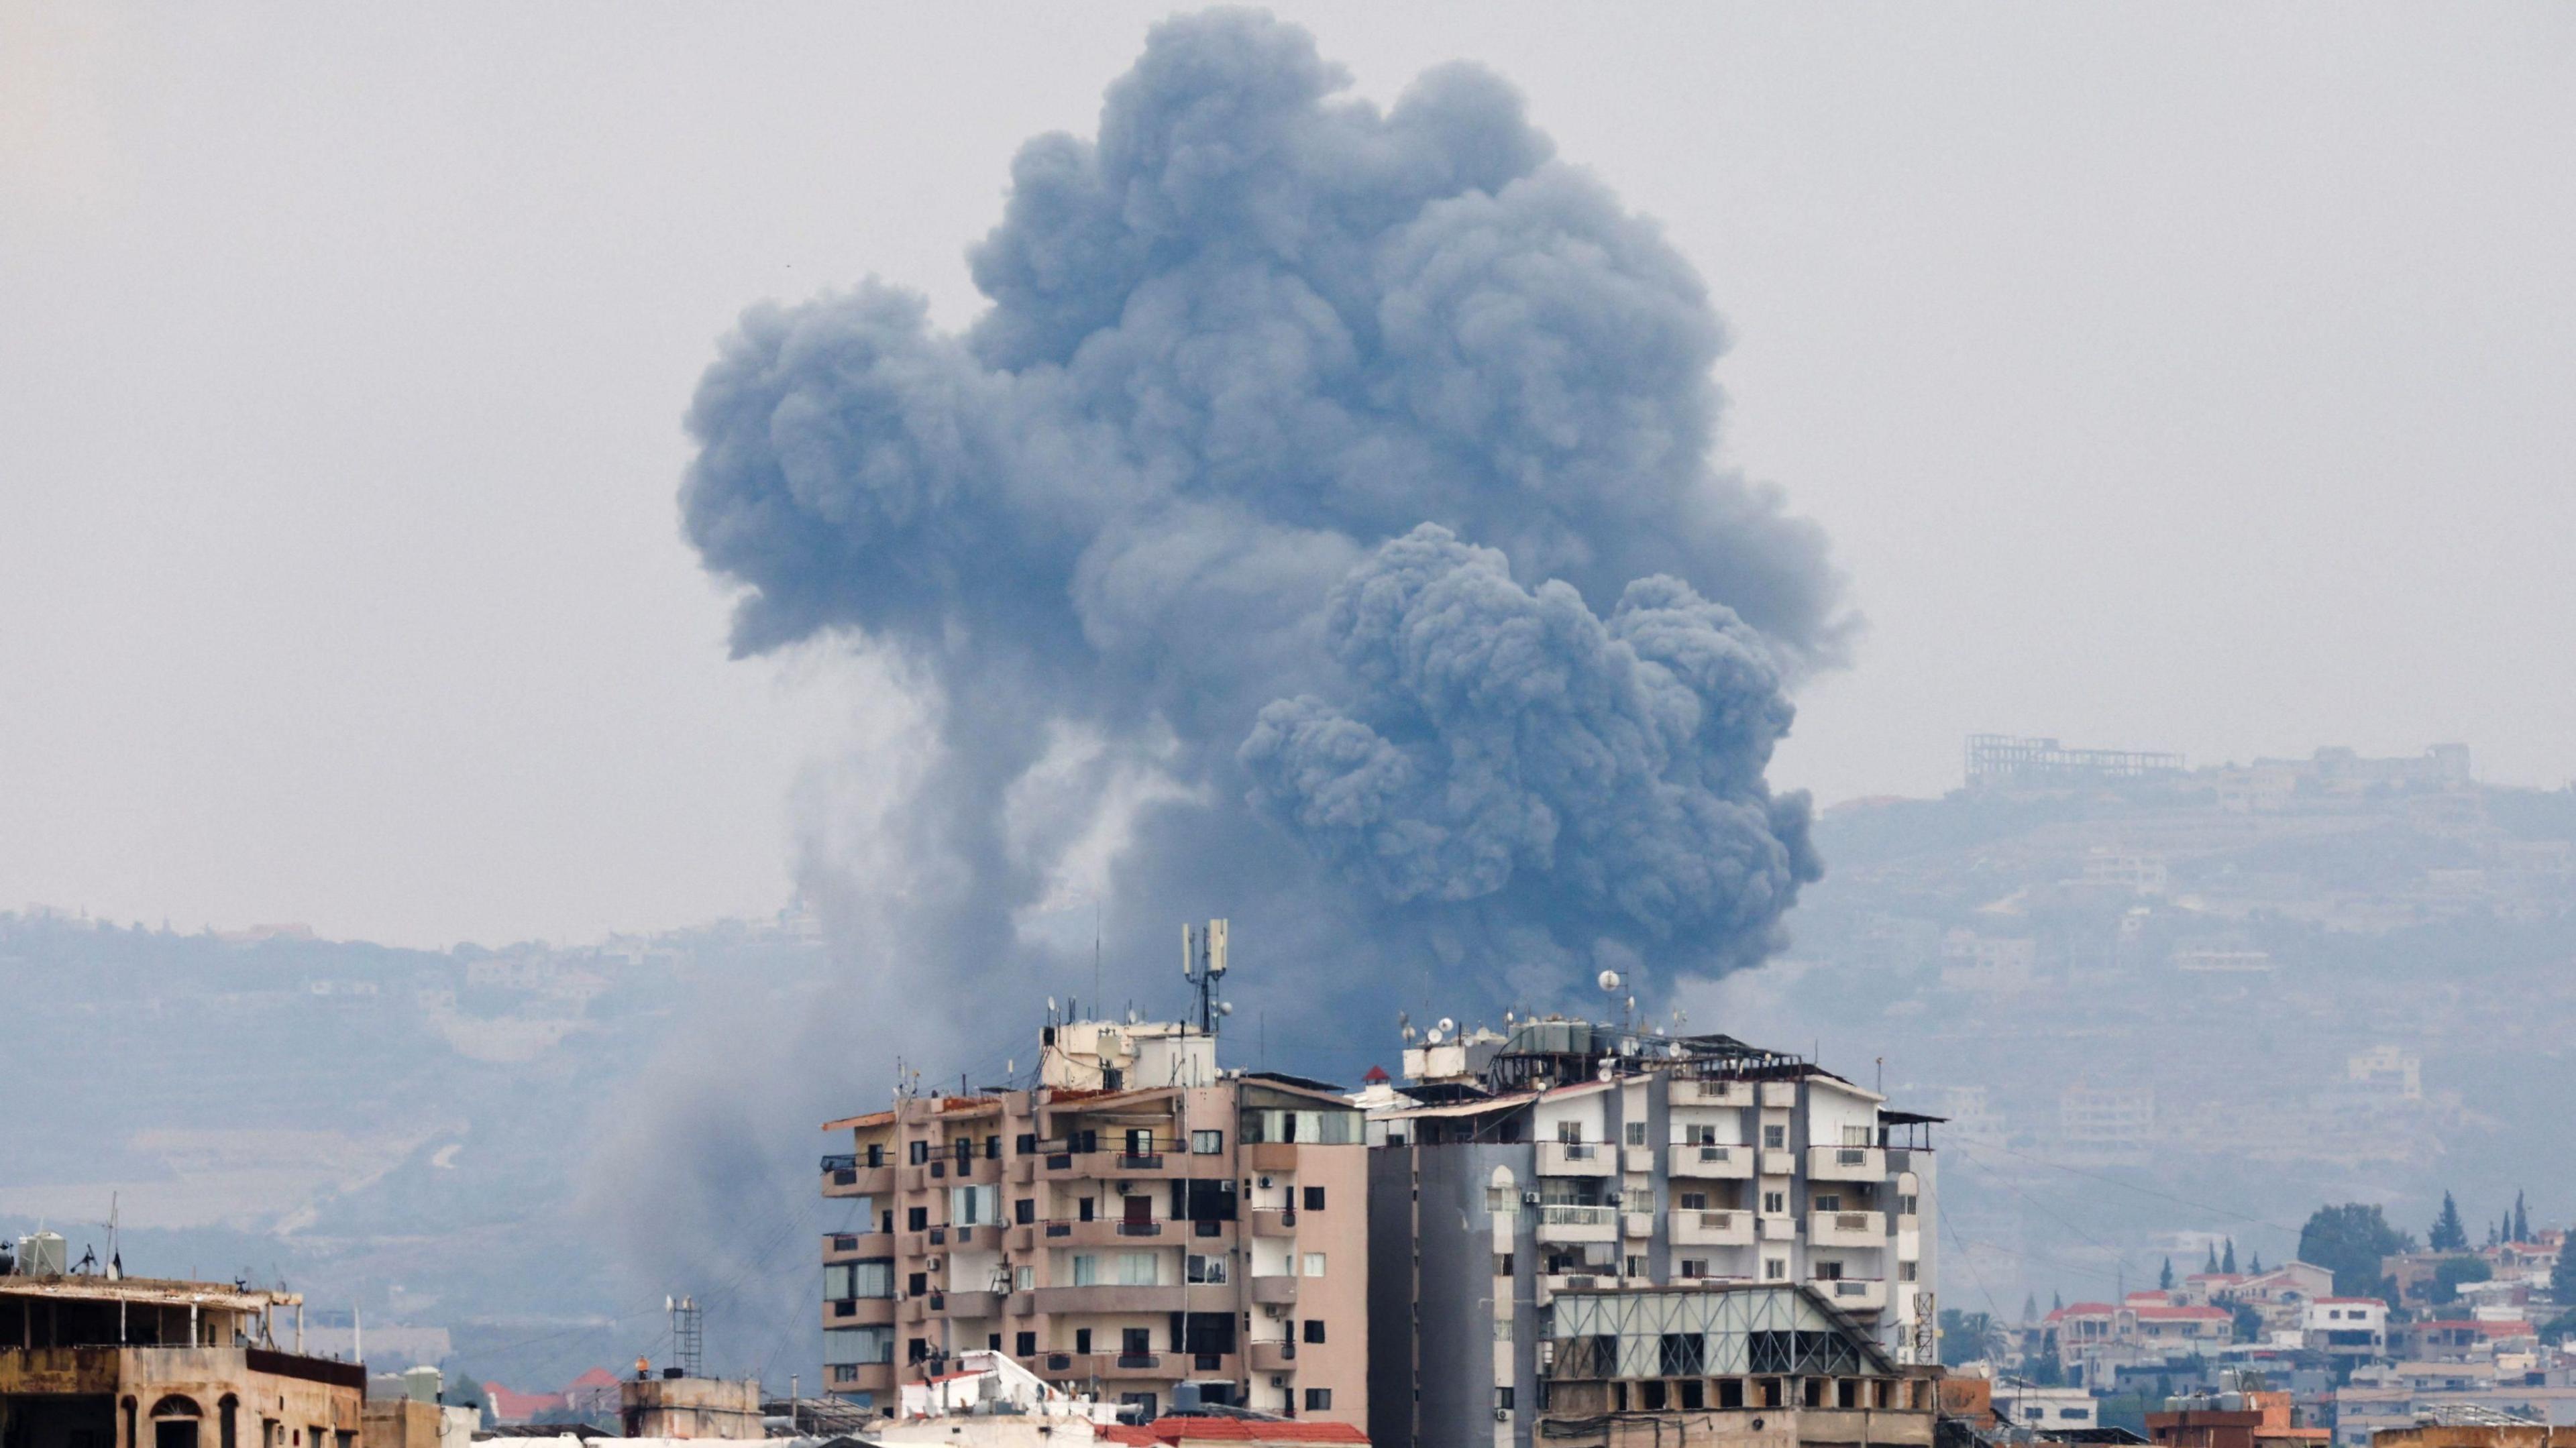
(1236, 346)
(1324, 509)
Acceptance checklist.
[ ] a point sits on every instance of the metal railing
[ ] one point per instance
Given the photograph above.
(1140, 1229)
(1557, 1216)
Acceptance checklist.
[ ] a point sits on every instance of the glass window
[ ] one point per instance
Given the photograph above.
(1855, 1135)
(1775, 1203)
(1319, 1400)
(1502, 1201)
(1694, 1201)
(1502, 1264)
(1314, 1264)
(1314, 1329)
(1206, 1269)
(1502, 1327)
(1314, 1199)
(1086, 1269)
(1026, 1279)
(1207, 1143)
(1905, 1205)
(1136, 1269)
(853, 1346)
(1775, 1137)
(920, 1152)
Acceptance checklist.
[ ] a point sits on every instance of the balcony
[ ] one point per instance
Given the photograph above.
(1847, 1229)
(1112, 1297)
(1267, 1222)
(1274, 1357)
(967, 1304)
(1708, 1161)
(1779, 1229)
(1737, 1094)
(1712, 1229)
(863, 1378)
(1550, 1285)
(1578, 1224)
(858, 1312)
(1778, 1163)
(1574, 1158)
(1846, 1163)
(844, 1177)
(1272, 1156)
(1853, 1294)
(1112, 1367)
(1274, 1290)
(1639, 1225)
(851, 1246)
(1779, 1095)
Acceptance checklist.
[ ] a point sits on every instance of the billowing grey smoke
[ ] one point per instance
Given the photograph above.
(1345, 472)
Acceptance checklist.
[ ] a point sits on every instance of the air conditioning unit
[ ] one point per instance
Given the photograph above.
(933, 1264)
(1265, 1184)
(1502, 1415)
(1278, 1380)
(1274, 1309)
(1529, 1199)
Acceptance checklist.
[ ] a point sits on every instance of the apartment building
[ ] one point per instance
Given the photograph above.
(1138, 1225)
(1568, 1157)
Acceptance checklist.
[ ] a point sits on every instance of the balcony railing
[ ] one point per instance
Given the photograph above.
(1140, 1161)
(842, 1161)
(1140, 1229)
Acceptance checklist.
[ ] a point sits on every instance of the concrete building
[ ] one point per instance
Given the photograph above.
(2233, 1420)
(2350, 1328)
(1771, 1364)
(677, 1406)
(1569, 1157)
(2050, 1410)
(1139, 1226)
(126, 1362)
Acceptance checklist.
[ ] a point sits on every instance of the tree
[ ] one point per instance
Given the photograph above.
(2562, 1277)
(2448, 1235)
(2450, 1272)
(1968, 1337)
(2029, 1308)
(2249, 1323)
(2212, 1264)
(2351, 1241)
(2165, 1279)
(2055, 1301)
(2257, 1267)
(2228, 1262)
(2521, 1219)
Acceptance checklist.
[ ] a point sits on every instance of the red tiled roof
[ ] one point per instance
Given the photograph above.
(2180, 1314)
(2083, 1309)
(595, 1378)
(2351, 1301)
(1244, 1430)
(1129, 1433)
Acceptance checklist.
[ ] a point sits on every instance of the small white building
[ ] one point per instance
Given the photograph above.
(2353, 1327)
(2028, 1405)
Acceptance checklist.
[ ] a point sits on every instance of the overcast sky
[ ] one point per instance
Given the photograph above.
(2167, 377)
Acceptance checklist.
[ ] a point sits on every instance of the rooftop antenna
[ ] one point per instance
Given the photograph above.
(1095, 947)
(688, 1335)
(1203, 965)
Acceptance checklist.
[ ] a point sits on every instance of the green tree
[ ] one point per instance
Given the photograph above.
(2448, 1235)
(2521, 1219)
(2450, 1272)
(2257, 1267)
(2212, 1264)
(2165, 1279)
(2228, 1262)
(2350, 1241)
(1968, 1337)
(2562, 1277)
(2249, 1323)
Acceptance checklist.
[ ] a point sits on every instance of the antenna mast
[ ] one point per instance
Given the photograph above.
(1202, 965)
(688, 1336)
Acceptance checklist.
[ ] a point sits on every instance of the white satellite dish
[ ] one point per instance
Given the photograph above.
(1447, 1025)
(1431, 1037)
(1609, 980)
(1225, 1008)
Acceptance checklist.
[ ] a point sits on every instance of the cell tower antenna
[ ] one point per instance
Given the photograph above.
(1203, 964)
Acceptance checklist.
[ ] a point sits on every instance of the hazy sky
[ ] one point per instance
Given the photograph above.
(2190, 378)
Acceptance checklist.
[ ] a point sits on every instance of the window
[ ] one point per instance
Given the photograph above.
(1905, 1271)
(876, 1154)
(1829, 1201)
(1136, 1269)
(1319, 1400)
(1636, 1133)
(1025, 1210)
(1570, 1132)
(1775, 1269)
(1775, 1203)
(1140, 1141)
(1855, 1135)
(1314, 1264)
(992, 1148)
(1694, 1267)
(852, 1346)
(974, 1206)
(1025, 1345)
(1314, 1199)
(873, 1277)
(1694, 1201)
(1086, 1270)
(916, 1349)
(1703, 1135)
(916, 1219)
(1314, 1329)
(1135, 1341)
(917, 1285)
(1775, 1137)
(1082, 1209)
(1207, 1143)
(1502, 1201)
(1636, 1267)
(993, 1341)
(1024, 1279)
(1905, 1204)
(1502, 1264)
(1082, 1339)
(1503, 1398)
(1502, 1327)
(1829, 1271)
(920, 1152)
(1027, 1144)
(1206, 1269)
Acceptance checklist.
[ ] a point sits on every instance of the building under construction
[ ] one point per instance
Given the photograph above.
(2004, 761)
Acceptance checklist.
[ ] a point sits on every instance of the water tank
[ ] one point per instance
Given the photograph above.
(423, 1384)
(43, 1254)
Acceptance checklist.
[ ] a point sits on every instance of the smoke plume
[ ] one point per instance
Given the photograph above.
(1320, 529)
(1343, 473)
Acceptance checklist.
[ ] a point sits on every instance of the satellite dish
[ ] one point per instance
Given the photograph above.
(1609, 980)
(1507, 1018)
(1431, 1037)
(1402, 1019)
(1632, 1005)
(1446, 1024)
(1225, 1008)
(1050, 1005)
(1409, 1033)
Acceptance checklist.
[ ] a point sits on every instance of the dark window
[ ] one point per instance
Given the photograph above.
(1502, 1264)
(920, 1152)
(916, 1219)
(1319, 1400)
(1651, 1395)
(920, 1284)
(1314, 1199)
(917, 1349)
(992, 1148)
(1135, 1341)
(1082, 1339)
(993, 1341)
(1027, 1145)
(876, 1155)
(1730, 1394)
(1693, 1395)
(1024, 1211)
(1503, 1397)
(1314, 1329)
(1025, 1345)
(1082, 1209)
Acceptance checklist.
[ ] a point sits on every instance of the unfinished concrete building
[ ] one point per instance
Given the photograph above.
(124, 1362)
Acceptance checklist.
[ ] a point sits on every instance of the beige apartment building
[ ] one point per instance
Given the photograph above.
(1139, 1225)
